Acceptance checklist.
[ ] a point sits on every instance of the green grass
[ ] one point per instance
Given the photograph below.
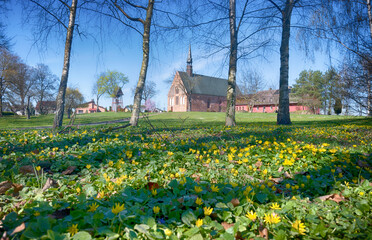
(13, 122)
(185, 119)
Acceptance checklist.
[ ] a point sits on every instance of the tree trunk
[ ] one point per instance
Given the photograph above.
(283, 117)
(1, 96)
(97, 104)
(231, 82)
(60, 101)
(189, 106)
(28, 108)
(145, 61)
(369, 100)
(369, 16)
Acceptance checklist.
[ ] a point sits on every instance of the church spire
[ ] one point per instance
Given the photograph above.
(189, 63)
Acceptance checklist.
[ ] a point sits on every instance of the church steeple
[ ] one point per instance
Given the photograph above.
(189, 63)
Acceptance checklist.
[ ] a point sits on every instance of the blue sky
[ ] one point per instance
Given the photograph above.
(89, 59)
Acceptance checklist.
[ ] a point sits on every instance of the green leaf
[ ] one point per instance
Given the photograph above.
(197, 237)
(142, 228)
(82, 235)
(321, 229)
(108, 233)
(150, 221)
(280, 235)
(43, 224)
(51, 235)
(261, 197)
(221, 205)
(188, 217)
(227, 236)
(191, 232)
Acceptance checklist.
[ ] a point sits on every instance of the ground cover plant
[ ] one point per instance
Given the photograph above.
(183, 177)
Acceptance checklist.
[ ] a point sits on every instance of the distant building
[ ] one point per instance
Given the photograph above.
(89, 107)
(195, 92)
(267, 102)
(117, 101)
(45, 107)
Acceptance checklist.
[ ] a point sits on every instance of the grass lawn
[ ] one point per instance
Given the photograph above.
(12, 122)
(187, 176)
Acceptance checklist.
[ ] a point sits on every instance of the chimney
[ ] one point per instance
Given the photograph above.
(189, 63)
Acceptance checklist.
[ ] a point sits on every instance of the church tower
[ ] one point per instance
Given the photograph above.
(189, 63)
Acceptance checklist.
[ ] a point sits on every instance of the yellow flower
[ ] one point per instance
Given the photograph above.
(299, 226)
(100, 195)
(73, 229)
(198, 189)
(38, 168)
(264, 172)
(275, 206)
(168, 232)
(88, 166)
(110, 186)
(199, 222)
(37, 213)
(288, 186)
(183, 181)
(170, 153)
(111, 163)
(93, 207)
(207, 211)
(251, 215)
(361, 193)
(156, 209)
(247, 190)
(78, 190)
(272, 218)
(199, 201)
(233, 184)
(215, 188)
(117, 208)
(154, 192)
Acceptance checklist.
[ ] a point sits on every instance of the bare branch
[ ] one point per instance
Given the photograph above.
(46, 10)
(65, 4)
(276, 6)
(126, 14)
(136, 6)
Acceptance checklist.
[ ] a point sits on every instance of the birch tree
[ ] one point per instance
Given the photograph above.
(283, 117)
(233, 58)
(60, 16)
(66, 67)
(137, 17)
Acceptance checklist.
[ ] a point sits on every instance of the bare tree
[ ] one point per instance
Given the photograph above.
(122, 7)
(66, 67)
(55, 15)
(44, 84)
(231, 81)
(20, 85)
(249, 85)
(286, 15)
(7, 61)
(149, 91)
(348, 24)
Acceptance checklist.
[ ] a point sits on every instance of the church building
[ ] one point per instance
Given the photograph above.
(195, 92)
